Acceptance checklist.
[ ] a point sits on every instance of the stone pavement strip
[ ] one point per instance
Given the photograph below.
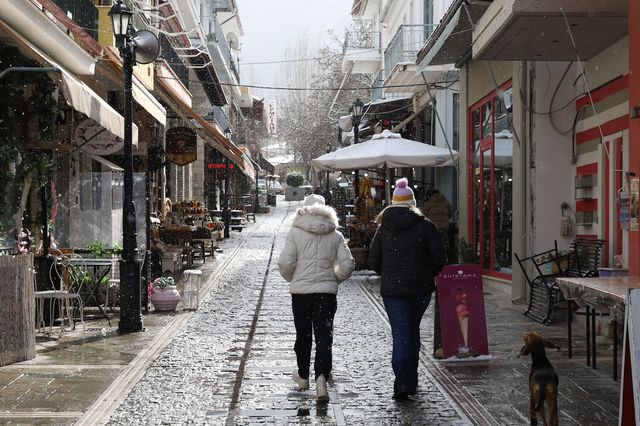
(230, 362)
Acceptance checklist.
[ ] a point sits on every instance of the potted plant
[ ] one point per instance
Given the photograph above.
(466, 252)
(98, 249)
(163, 294)
(116, 250)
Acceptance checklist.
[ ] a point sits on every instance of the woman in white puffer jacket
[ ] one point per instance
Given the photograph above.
(315, 259)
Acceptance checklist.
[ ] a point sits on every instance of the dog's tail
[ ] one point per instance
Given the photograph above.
(546, 387)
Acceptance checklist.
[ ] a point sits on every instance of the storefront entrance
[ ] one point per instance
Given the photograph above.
(491, 182)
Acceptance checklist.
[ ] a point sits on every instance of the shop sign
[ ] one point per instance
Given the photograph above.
(462, 317)
(94, 139)
(271, 118)
(181, 145)
(219, 166)
(634, 189)
(623, 209)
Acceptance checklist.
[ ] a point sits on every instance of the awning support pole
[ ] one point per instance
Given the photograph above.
(28, 69)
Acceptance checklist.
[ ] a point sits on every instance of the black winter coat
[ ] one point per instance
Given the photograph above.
(407, 252)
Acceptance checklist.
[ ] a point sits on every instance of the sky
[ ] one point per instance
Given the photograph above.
(270, 26)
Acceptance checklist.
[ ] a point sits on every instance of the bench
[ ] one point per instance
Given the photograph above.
(539, 273)
(542, 269)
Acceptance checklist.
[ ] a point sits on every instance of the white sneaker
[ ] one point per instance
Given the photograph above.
(321, 389)
(302, 383)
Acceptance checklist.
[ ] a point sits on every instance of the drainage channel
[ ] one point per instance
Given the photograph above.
(460, 399)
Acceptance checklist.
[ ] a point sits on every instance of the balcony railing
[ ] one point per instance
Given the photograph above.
(405, 45)
(362, 40)
(376, 87)
(173, 60)
(225, 50)
(83, 12)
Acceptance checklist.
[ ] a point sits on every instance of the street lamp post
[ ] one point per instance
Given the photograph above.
(328, 151)
(128, 42)
(356, 114)
(226, 213)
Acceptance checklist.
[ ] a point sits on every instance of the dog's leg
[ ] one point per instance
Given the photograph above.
(541, 412)
(532, 410)
(552, 401)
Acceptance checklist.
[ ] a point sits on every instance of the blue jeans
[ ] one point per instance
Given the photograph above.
(405, 314)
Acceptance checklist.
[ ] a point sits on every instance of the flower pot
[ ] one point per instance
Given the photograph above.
(165, 299)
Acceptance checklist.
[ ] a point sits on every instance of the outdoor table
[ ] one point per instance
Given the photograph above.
(598, 294)
(99, 269)
(208, 245)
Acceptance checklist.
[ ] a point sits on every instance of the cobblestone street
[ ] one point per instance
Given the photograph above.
(233, 360)
(231, 363)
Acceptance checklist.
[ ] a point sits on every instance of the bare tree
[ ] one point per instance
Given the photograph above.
(305, 121)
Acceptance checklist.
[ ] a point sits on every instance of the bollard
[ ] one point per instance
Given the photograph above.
(192, 289)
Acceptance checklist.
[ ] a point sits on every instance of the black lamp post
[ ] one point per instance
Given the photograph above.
(226, 213)
(328, 151)
(135, 47)
(356, 114)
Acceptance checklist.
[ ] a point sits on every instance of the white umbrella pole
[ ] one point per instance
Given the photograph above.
(387, 184)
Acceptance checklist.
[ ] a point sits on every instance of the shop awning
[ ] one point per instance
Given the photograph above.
(542, 30)
(451, 40)
(141, 95)
(78, 95)
(108, 164)
(32, 23)
(146, 100)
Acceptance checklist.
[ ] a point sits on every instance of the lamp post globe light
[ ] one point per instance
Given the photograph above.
(135, 47)
(356, 114)
(328, 151)
(226, 213)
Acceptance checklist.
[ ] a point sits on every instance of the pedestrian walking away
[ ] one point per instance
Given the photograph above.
(315, 259)
(408, 253)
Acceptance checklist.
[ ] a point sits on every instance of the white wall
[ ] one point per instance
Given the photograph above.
(550, 155)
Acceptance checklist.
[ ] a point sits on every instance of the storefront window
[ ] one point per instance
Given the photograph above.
(492, 146)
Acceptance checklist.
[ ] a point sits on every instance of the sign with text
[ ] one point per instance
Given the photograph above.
(634, 204)
(219, 166)
(181, 145)
(271, 118)
(462, 317)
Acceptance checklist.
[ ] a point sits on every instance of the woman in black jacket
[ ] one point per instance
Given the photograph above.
(407, 252)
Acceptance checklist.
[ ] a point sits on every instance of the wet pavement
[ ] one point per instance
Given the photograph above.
(230, 361)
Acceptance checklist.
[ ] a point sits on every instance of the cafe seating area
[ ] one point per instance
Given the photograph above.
(576, 281)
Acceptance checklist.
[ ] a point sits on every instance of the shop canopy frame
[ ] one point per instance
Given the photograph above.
(385, 151)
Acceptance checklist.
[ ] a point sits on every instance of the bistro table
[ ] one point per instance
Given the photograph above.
(604, 294)
(99, 268)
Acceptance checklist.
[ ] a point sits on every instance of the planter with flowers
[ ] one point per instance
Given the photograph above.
(163, 294)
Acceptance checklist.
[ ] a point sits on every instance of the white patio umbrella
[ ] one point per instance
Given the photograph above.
(385, 150)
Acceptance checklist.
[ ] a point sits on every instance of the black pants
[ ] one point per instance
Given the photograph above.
(314, 312)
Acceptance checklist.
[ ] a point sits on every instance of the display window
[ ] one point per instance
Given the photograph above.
(490, 181)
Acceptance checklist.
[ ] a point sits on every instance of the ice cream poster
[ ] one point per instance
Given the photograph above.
(462, 318)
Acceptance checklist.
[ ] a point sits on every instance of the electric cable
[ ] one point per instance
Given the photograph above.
(446, 138)
(584, 76)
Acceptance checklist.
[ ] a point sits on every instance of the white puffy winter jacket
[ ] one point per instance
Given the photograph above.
(315, 258)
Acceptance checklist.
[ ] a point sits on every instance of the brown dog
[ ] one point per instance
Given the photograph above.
(543, 381)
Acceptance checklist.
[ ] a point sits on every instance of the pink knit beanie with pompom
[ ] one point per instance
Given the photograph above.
(403, 194)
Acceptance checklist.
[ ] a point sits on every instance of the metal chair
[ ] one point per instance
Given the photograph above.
(539, 272)
(66, 276)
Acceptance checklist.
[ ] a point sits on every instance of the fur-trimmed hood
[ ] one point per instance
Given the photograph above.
(317, 219)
